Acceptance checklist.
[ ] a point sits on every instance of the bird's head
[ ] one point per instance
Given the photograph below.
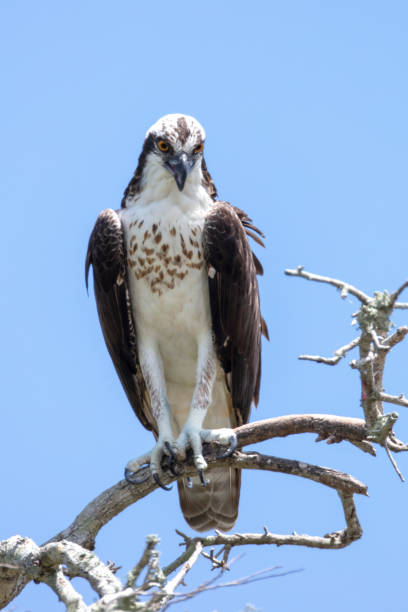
(175, 142)
(172, 154)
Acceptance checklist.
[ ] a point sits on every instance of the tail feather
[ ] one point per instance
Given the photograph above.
(214, 506)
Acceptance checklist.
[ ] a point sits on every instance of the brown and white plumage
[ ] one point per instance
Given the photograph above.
(177, 296)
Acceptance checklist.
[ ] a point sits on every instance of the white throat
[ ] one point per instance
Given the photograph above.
(158, 184)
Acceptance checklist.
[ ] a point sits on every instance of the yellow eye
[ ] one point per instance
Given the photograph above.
(163, 146)
(198, 149)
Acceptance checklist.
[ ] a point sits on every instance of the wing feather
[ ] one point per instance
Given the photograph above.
(107, 255)
(234, 297)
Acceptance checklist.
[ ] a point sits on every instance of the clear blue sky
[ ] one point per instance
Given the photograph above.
(305, 108)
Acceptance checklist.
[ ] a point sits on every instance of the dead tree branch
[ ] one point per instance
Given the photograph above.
(45, 564)
(114, 500)
(339, 354)
(375, 343)
(345, 288)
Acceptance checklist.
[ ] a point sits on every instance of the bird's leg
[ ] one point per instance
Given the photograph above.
(152, 368)
(193, 433)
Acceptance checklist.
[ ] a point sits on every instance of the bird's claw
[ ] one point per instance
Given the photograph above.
(171, 461)
(170, 451)
(171, 465)
(135, 466)
(132, 478)
(159, 482)
(174, 452)
(233, 443)
(203, 480)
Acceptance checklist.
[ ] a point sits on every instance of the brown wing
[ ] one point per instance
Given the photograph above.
(107, 255)
(236, 316)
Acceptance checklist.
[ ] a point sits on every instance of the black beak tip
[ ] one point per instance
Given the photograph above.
(180, 181)
(179, 168)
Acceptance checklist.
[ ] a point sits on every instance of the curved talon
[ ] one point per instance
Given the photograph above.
(158, 481)
(171, 452)
(232, 446)
(203, 481)
(171, 465)
(131, 477)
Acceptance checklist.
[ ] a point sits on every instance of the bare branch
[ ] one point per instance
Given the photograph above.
(179, 577)
(133, 575)
(345, 288)
(182, 558)
(373, 318)
(28, 557)
(338, 539)
(399, 400)
(394, 463)
(366, 447)
(345, 428)
(320, 359)
(115, 499)
(264, 574)
(65, 591)
(112, 501)
(80, 562)
(397, 336)
(118, 602)
(340, 481)
(339, 354)
(395, 295)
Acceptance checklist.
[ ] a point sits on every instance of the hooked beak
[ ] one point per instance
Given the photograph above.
(180, 166)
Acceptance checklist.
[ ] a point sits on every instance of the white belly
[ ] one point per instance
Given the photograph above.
(168, 285)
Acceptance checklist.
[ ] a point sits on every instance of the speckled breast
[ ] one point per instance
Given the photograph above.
(163, 256)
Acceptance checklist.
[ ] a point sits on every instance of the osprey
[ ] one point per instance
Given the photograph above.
(177, 297)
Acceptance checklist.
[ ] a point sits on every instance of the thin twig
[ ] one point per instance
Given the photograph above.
(345, 288)
(339, 354)
(394, 463)
(202, 586)
(395, 295)
(255, 577)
